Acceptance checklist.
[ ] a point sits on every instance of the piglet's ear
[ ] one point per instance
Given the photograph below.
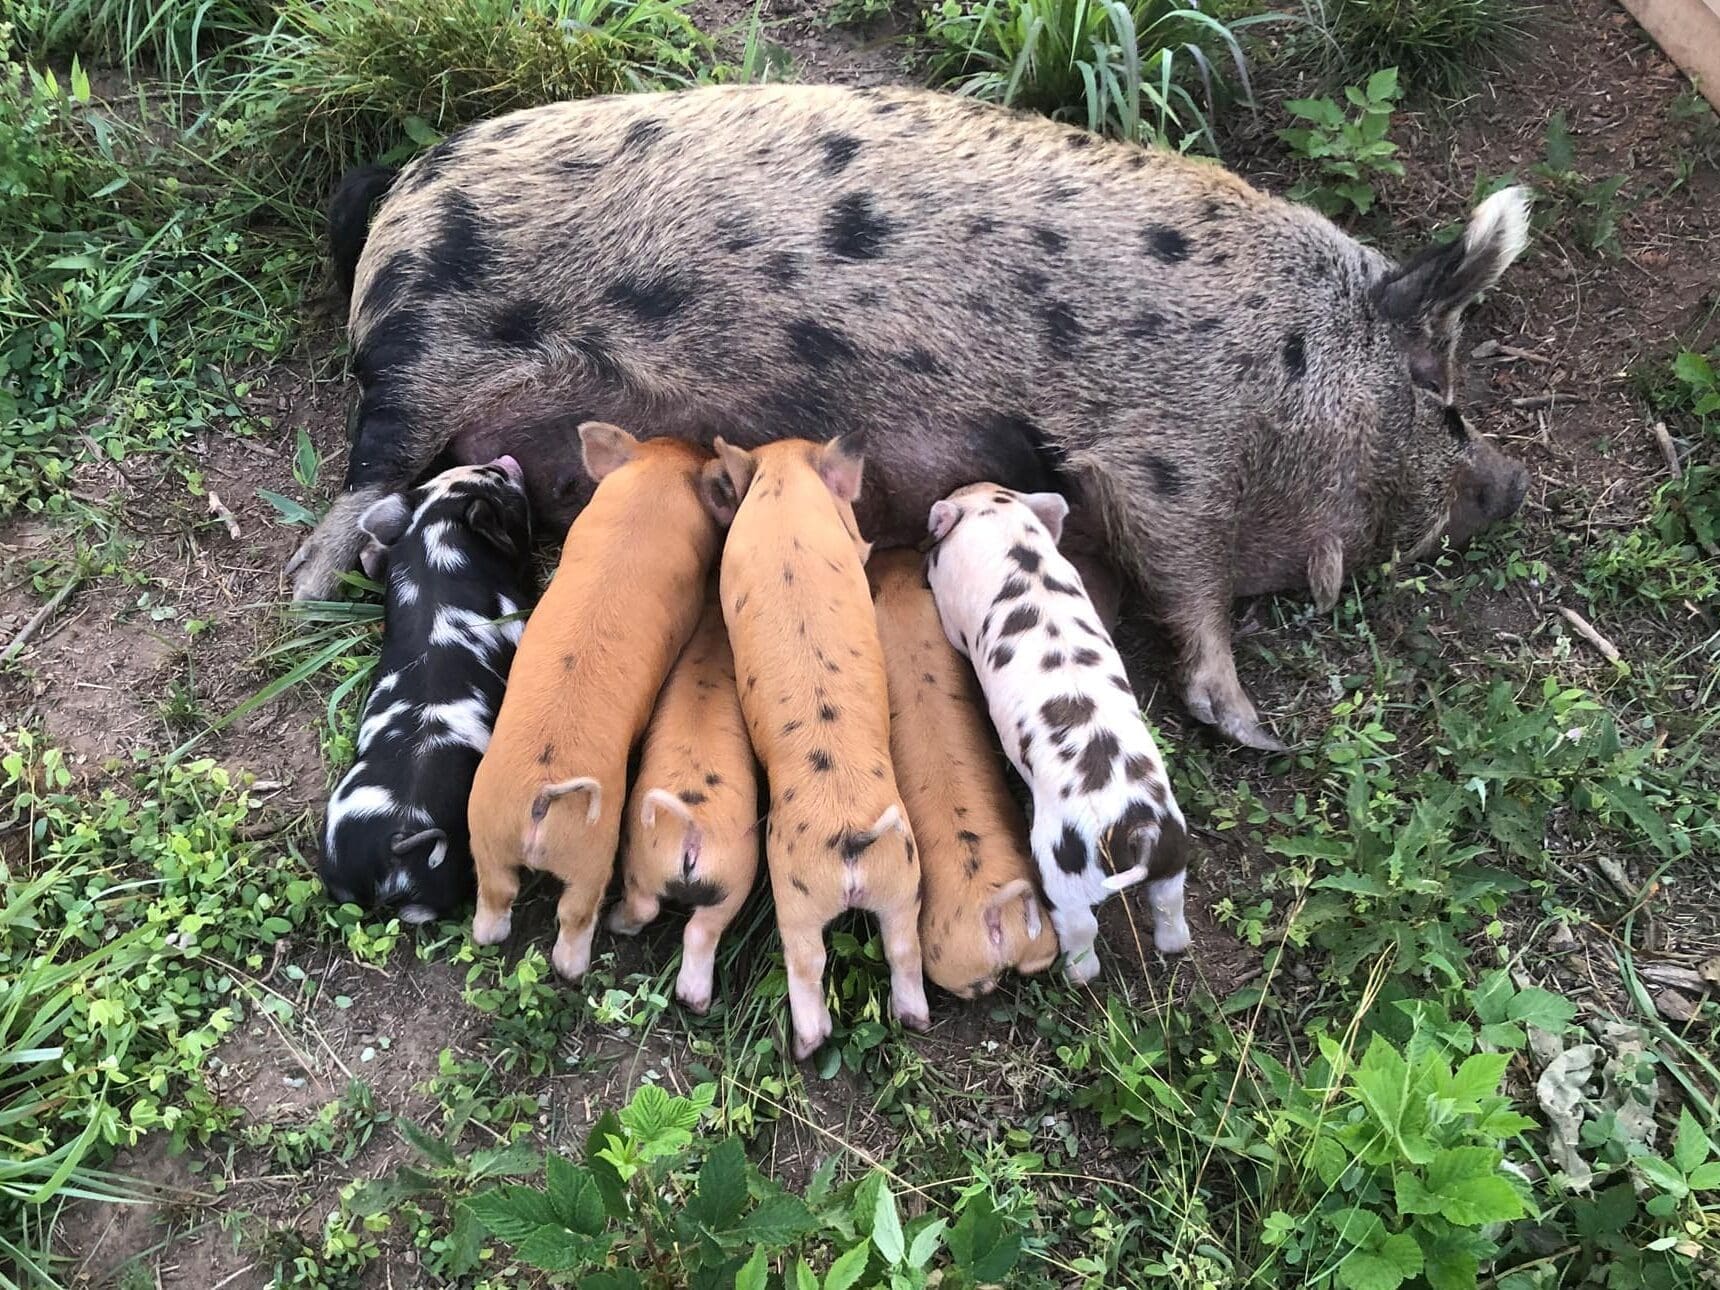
(385, 522)
(942, 519)
(1051, 508)
(485, 519)
(839, 466)
(717, 492)
(739, 465)
(606, 448)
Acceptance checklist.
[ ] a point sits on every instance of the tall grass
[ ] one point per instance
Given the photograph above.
(173, 38)
(1150, 70)
(1439, 46)
(350, 80)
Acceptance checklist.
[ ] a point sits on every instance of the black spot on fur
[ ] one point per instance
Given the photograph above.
(547, 755)
(459, 254)
(788, 575)
(712, 779)
(1063, 330)
(816, 344)
(1078, 139)
(392, 285)
(853, 230)
(1050, 239)
(820, 760)
(1032, 281)
(981, 226)
(1020, 619)
(653, 299)
(827, 712)
(1165, 244)
(789, 727)
(692, 797)
(1084, 657)
(1070, 851)
(782, 267)
(1065, 712)
(1167, 478)
(1097, 763)
(640, 135)
(1058, 586)
(1138, 767)
(1051, 662)
(1002, 655)
(1122, 683)
(800, 886)
(1254, 300)
(694, 892)
(1295, 356)
(520, 324)
(396, 339)
(1015, 452)
(1026, 557)
(578, 169)
(593, 346)
(1013, 586)
(839, 150)
(918, 360)
(1146, 325)
(1205, 327)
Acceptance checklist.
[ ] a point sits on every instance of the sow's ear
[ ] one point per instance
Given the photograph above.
(738, 464)
(839, 466)
(1051, 508)
(1427, 296)
(717, 492)
(605, 448)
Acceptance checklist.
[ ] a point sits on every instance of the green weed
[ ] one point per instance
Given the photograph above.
(1351, 153)
(1441, 45)
(131, 942)
(368, 80)
(176, 38)
(1126, 69)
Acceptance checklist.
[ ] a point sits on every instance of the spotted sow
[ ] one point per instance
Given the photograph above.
(452, 556)
(1103, 815)
(1236, 396)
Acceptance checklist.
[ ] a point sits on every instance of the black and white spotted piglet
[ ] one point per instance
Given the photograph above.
(1063, 711)
(453, 555)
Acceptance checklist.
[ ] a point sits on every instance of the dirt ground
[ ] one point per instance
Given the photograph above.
(1560, 336)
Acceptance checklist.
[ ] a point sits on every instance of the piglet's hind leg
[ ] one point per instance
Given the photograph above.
(900, 927)
(803, 955)
(577, 915)
(633, 912)
(1170, 928)
(705, 927)
(494, 918)
(1078, 933)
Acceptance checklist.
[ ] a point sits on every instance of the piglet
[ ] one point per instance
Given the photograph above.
(692, 820)
(1064, 711)
(817, 707)
(979, 914)
(453, 557)
(623, 602)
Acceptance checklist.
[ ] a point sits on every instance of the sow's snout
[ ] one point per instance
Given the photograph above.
(1488, 488)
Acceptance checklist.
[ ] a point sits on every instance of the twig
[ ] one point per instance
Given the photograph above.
(1586, 630)
(1668, 449)
(1547, 400)
(1527, 355)
(41, 616)
(219, 510)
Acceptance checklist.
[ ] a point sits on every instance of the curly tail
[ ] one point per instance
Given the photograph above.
(349, 208)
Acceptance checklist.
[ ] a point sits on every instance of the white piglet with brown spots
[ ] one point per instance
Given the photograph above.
(1103, 815)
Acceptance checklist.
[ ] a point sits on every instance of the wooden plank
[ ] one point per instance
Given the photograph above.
(1689, 32)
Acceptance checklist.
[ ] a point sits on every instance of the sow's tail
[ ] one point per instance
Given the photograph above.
(349, 208)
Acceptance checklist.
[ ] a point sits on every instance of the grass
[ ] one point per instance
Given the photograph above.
(1468, 877)
(1440, 46)
(1149, 70)
(176, 38)
(366, 80)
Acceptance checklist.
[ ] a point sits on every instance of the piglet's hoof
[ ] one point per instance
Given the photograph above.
(491, 929)
(916, 1020)
(806, 1044)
